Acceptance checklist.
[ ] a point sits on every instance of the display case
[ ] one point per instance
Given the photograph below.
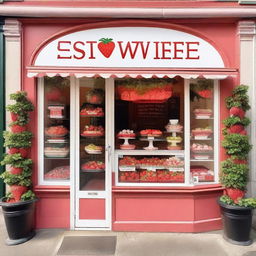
(167, 138)
(54, 127)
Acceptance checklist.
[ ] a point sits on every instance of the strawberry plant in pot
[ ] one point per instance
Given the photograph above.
(235, 208)
(19, 202)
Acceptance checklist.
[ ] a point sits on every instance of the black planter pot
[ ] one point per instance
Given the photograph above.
(237, 223)
(19, 220)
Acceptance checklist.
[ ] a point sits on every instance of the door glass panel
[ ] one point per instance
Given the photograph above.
(92, 134)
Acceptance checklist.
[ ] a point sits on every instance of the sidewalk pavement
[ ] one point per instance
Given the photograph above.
(47, 242)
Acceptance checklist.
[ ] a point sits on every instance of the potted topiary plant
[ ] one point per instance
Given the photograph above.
(19, 202)
(235, 208)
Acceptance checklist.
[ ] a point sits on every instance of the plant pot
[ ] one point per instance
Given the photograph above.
(237, 223)
(16, 170)
(17, 191)
(19, 220)
(18, 128)
(234, 193)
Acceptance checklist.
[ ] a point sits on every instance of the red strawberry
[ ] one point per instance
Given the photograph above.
(239, 161)
(17, 128)
(13, 151)
(243, 132)
(17, 191)
(234, 193)
(16, 170)
(23, 152)
(106, 46)
(205, 94)
(237, 128)
(235, 111)
(14, 117)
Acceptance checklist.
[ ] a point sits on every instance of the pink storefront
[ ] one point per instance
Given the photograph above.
(128, 120)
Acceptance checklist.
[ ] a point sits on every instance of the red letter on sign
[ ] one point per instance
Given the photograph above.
(164, 50)
(63, 50)
(176, 50)
(79, 50)
(91, 48)
(192, 50)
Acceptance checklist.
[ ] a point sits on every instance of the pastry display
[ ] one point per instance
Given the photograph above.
(148, 176)
(55, 151)
(93, 166)
(169, 176)
(201, 173)
(126, 134)
(91, 111)
(173, 126)
(150, 162)
(202, 133)
(92, 131)
(127, 147)
(174, 162)
(127, 161)
(151, 133)
(201, 113)
(201, 147)
(56, 131)
(58, 173)
(56, 111)
(93, 149)
(129, 176)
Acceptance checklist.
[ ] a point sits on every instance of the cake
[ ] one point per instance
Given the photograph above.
(151, 133)
(92, 130)
(202, 132)
(173, 126)
(93, 149)
(93, 165)
(56, 131)
(90, 111)
(56, 151)
(176, 139)
(199, 148)
(202, 113)
(128, 146)
(126, 134)
(58, 173)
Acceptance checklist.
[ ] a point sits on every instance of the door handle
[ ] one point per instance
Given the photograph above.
(109, 150)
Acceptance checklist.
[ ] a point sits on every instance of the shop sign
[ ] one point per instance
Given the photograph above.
(130, 47)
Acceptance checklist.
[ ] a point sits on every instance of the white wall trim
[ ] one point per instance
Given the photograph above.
(122, 12)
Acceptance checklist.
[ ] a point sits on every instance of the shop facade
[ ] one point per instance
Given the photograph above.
(128, 119)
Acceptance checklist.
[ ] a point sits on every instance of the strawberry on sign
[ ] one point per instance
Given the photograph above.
(106, 46)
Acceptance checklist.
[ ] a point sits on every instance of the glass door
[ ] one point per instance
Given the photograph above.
(92, 185)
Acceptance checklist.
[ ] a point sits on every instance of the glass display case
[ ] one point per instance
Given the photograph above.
(202, 128)
(55, 126)
(165, 132)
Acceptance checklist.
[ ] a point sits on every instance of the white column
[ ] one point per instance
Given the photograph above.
(12, 33)
(247, 32)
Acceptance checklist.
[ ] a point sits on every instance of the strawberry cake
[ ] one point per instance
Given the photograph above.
(202, 133)
(151, 133)
(126, 134)
(127, 146)
(92, 131)
(90, 111)
(58, 173)
(201, 173)
(56, 131)
(93, 166)
(201, 113)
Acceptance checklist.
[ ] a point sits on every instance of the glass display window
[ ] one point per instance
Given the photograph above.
(140, 129)
(54, 126)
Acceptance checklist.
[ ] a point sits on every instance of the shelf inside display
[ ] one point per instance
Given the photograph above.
(59, 158)
(201, 160)
(145, 152)
(204, 118)
(93, 170)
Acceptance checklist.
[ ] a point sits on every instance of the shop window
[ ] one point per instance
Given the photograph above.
(54, 127)
(164, 131)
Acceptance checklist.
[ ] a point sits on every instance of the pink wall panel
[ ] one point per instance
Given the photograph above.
(53, 213)
(206, 206)
(153, 208)
(92, 209)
